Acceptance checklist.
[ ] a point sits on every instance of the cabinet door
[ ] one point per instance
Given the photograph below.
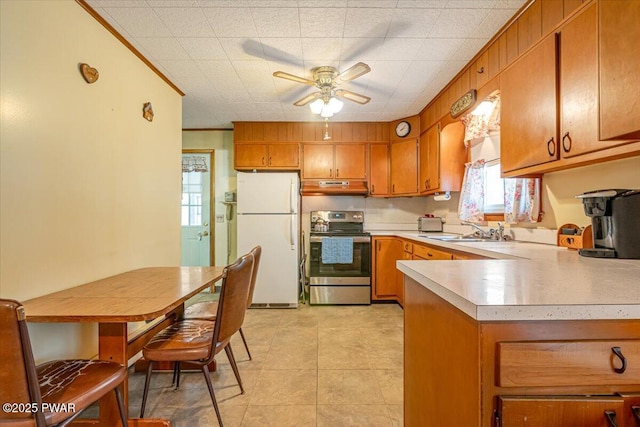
(317, 161)
(351, 161)
(528, 91)
(429, 159)
(404, 167)
(387, 252)
(251, 156)
(558, 411)
(579, 85)
(379, 170)
(619, 69)
(284, 156)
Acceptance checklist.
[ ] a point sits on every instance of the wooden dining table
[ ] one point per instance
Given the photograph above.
(113, 302)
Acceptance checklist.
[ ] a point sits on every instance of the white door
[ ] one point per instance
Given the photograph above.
(196, 209)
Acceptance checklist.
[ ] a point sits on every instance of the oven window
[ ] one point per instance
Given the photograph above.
(360, 267)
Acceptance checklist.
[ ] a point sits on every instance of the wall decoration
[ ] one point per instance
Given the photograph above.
(89, 73)
(463, 103)
(147, 111)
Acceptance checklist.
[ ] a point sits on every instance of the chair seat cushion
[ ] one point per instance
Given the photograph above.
(76, 383)
(188, 340)
(206, 310)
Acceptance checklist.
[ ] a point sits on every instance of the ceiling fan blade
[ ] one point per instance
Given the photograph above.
(288, 76)
(353, 72)
(307, 99)
(352, 96)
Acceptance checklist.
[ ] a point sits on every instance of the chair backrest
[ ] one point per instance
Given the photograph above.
(18, 377)
(232, 303)
(257, 253)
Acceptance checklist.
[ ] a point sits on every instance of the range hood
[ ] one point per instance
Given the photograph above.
(318, 188)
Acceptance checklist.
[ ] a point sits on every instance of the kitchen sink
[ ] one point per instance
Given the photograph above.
(458, 239)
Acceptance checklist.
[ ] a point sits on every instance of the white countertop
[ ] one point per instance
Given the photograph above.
(528, 281)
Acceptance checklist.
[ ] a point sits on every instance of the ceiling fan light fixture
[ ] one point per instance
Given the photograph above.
(335, 104)
(326, 111)
(316, 106)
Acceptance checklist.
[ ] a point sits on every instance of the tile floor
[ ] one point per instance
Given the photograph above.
(312, 366)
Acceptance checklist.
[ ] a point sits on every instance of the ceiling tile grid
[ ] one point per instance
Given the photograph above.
(222, 53)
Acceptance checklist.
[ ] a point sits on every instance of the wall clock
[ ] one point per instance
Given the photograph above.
(403, 129)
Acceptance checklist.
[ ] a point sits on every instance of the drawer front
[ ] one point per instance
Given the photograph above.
(568, 363)
(429, 253)
(408, 247)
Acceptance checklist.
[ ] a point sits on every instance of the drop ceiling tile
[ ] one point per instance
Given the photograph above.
(400, 49)
(119, 3)
(467, 4)
(372, 3)
(509, 4)
(325, 3)
(238, 96)
(274, 3)
(202, 48)
(367, 22)
(323, 22)
(368, 117)
(326, 49)
(185, 22)
(426, 4)
(231, 22)
(439, 49)
(236, 49)
(413, 23)
(173, 3)
(360, 49)
(286, 51)
(276, 22)
(139, 22)
(163, 48)
(420, 73)
(459, 23)
(388, 72)
(180, 69)
(224, 3)
(272, 116)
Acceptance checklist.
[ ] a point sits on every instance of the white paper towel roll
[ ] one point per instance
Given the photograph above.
(442, 197)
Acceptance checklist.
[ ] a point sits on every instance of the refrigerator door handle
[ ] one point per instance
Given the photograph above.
(291, 231)
(291, 196)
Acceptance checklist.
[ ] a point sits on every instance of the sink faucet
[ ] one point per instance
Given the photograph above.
(499, 233)
(479, 231)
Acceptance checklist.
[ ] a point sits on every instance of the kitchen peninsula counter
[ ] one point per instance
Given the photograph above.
(528, 334)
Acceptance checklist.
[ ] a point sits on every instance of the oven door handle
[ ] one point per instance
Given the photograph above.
(356, 239)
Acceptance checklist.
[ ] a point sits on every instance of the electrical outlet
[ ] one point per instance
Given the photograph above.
(220, 218)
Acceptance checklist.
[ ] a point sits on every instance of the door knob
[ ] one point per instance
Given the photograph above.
(202, 234)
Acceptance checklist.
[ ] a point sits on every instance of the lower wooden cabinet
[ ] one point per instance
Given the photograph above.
(386, 278)
(557, 373)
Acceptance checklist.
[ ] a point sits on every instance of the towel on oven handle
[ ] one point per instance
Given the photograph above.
(337, 250)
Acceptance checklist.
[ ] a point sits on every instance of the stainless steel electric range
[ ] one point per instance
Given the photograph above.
(340, 258)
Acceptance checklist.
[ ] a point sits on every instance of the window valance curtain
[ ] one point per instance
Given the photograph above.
(479, 125)
(471, 206)
(194, 164)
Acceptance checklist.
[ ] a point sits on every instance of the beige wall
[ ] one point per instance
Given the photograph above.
(225, 180)
(89, 188)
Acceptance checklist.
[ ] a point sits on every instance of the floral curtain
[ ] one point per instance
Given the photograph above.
(194, 164)
(478, 126)
(521, 200)
(471, 207)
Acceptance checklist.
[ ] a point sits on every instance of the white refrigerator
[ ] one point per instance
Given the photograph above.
(269, 216)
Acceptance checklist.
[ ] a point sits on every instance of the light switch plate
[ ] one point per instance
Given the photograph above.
(220, 218)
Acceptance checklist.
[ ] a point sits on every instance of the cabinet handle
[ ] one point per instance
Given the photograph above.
(269, 160)
(425, 183)
(330, 173)
(611, 417)
(566, 137)
(337, 173)
(393, 188)
(262, 160)
(551, 147)
(635, 410)
(618, 352)
(373, 188)
(481, 70)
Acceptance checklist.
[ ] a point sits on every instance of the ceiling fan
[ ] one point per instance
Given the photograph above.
(327, 79)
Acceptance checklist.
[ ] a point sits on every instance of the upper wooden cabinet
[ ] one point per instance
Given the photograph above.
(528, 134)
(442, 158)
(334, 161)
(404, 167)
(619, 60)
(379, 169)
(267, 156)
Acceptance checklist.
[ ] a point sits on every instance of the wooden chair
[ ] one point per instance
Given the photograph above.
(198, 341)
(58, 391)
(207, 310)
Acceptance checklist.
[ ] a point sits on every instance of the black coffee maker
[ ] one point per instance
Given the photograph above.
(615, 221)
